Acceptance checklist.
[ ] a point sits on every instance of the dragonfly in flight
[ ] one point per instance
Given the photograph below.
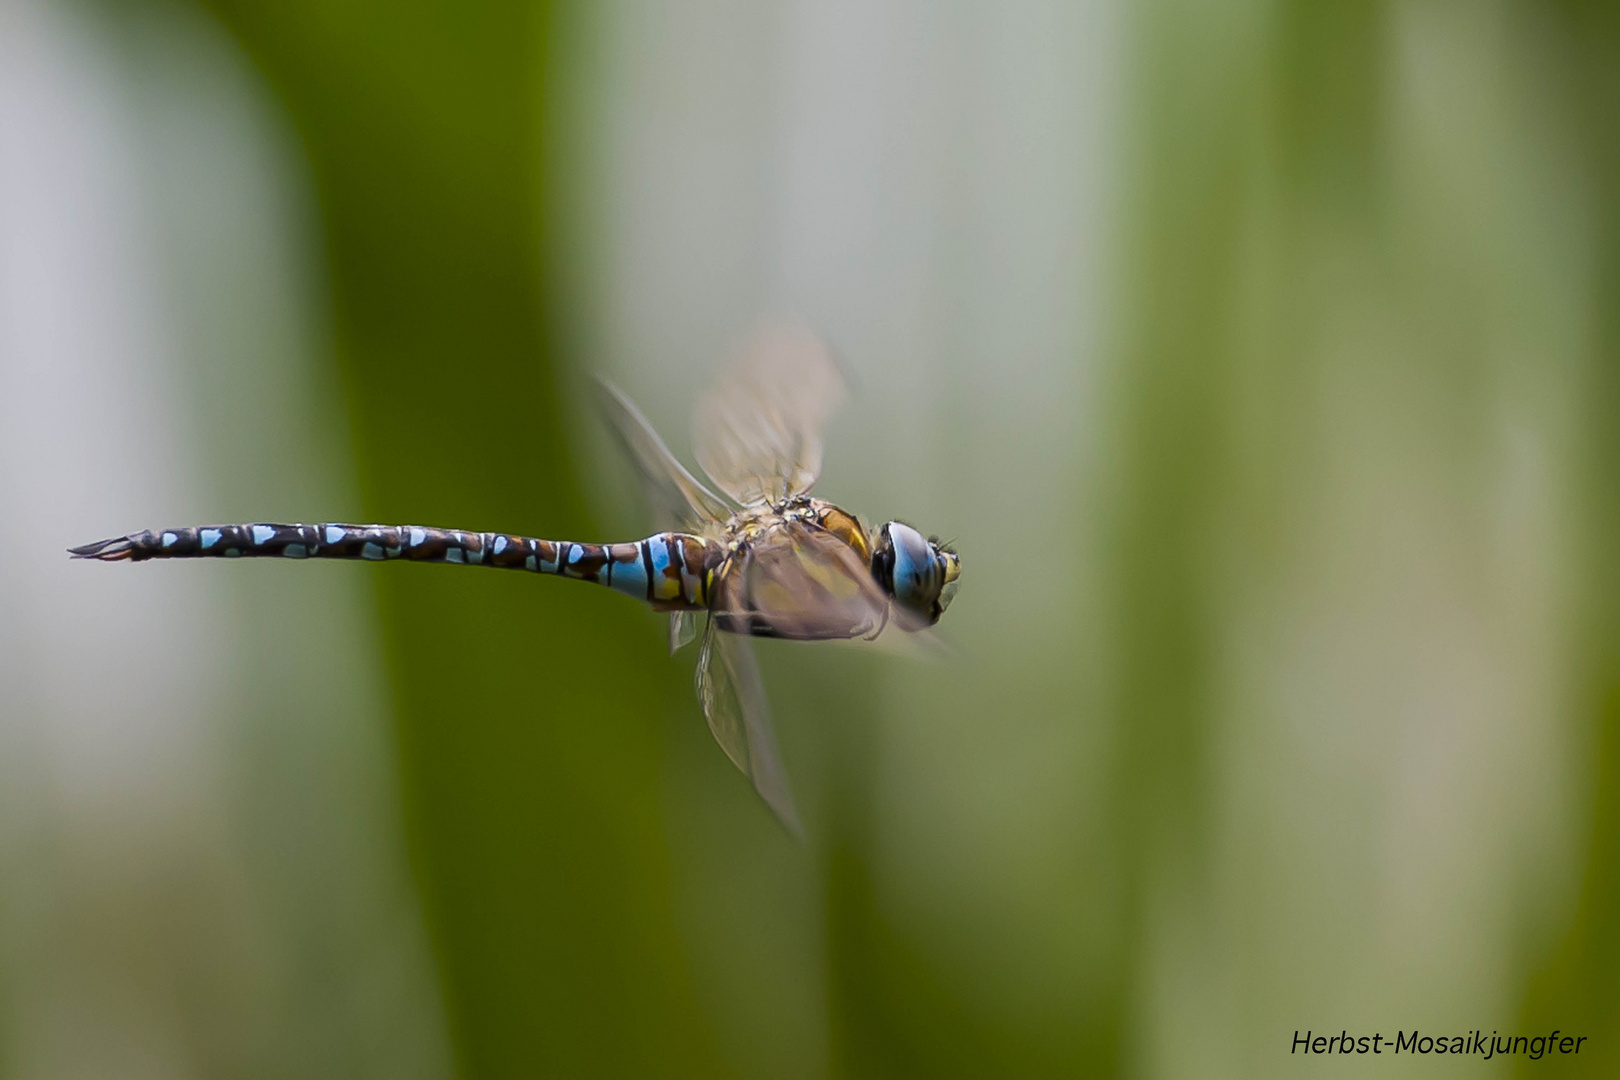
(770, 562)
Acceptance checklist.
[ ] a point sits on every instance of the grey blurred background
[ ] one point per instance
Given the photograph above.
(1258, 356)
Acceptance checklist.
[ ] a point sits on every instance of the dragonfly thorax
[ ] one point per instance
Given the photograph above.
(753, 523)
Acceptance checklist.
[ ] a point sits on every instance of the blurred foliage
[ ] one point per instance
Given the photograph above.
(529, 761)
(1264, 192)
(1579, 985)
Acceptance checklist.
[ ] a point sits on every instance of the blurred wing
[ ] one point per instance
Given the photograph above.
(733, 698)
(678, 496)
(682, 629)
(902, 643)
(801, 582)
(758, 434)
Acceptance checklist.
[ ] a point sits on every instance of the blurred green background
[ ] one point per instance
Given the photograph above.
(1259, 356)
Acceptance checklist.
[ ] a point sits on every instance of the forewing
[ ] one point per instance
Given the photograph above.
(733, 699)
(680, 498)
(758, 434)
(801, 582)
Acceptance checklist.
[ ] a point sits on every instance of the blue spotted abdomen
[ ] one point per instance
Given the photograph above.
(671, 571)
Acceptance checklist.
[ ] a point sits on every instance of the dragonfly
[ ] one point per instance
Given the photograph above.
(763, 559)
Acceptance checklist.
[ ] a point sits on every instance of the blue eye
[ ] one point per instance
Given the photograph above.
(915, 580)
(919, 574)
(912, 565)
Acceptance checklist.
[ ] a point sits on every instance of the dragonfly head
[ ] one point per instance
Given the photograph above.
(919, 573)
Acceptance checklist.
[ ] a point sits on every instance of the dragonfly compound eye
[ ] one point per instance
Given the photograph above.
(915, 572)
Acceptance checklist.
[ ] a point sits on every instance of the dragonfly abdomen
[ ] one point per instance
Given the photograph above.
(671, 571)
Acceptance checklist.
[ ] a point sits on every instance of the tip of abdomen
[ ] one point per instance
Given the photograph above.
(119, 547)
